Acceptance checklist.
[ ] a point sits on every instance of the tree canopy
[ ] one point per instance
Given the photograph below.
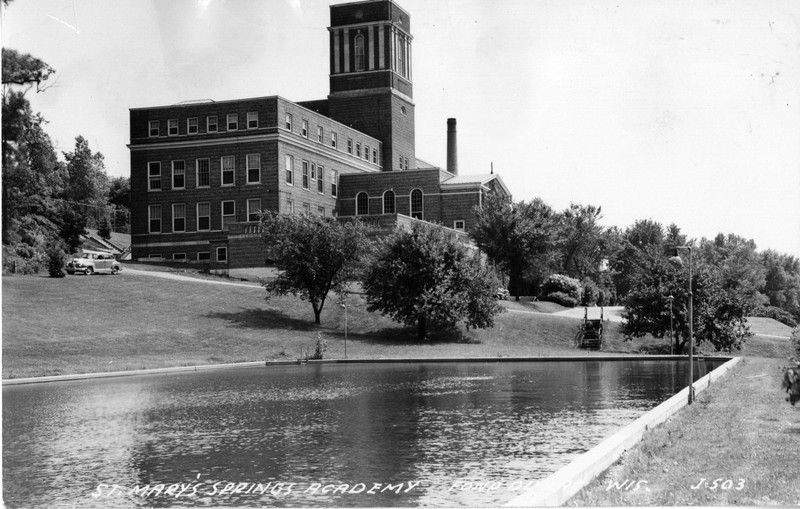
(315, 255)
(425, 277)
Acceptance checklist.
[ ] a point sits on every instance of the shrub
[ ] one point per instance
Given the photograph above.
(776, 313)
(321, 347)
(562, 298)
(56, 259)
(558, 283)
(590, 294)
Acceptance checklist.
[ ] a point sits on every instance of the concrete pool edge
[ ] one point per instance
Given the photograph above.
(559, 487)
(204, 367)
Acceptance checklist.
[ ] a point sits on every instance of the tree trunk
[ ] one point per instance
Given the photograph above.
(421, 327)
(317, 312)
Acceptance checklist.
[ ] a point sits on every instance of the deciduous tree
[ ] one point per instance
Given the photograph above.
(424, 277)
(315, 255)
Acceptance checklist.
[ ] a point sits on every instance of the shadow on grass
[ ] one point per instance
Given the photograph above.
(264, 319)
(407, 336)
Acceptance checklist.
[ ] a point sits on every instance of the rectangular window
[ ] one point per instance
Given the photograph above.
(313, 171)
(179, 256)
(375, 156)
(288, 122)
(222, 254)
(204, 256)
(228, 213)
(319, 134)
(252, 120)
(254, 210)
(253, 168)
(304, 129)
(178, 174)
(290, 170)
(401, 162)
(203, 172)
(211, 124)
(458, 224)
(172, 127)
(179, 217)
(305, 174)
(228, 166)
(406, 163)
(154, 176)
(334, 183)
(320, 180)
(333, 140)
(289, 206)
(154, 130)
(203, 217)
(233, 122)
(358, 150)
(154, 218)
(321, 211)
(192, 126)
(349, 146)
(307, 208)
(366, 152)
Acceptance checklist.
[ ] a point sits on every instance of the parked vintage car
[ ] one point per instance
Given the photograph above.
(89, 263)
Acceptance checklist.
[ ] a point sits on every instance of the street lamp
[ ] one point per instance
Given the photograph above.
(343, 304)
(670, 298)
(676, 260)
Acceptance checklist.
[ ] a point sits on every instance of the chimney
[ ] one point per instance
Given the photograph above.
(452, 147)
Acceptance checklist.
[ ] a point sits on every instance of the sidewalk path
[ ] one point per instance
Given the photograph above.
(178, 277)
(610, 313)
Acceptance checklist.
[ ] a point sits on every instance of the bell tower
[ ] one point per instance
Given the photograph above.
(370, 79)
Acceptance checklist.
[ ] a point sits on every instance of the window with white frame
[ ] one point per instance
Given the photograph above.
(334, 139)
(222, 255)
(366, 152)
(375, 156)
(203, 168)
(154, 130)
(203, 216)
(305, 174)
(401, 162)
(233, 122)
(320, 180)
(253, 168)
(458, 224)
(252, 120)
(349, 146)
(211, 124)
(406, 163)
(289, 161)
(321, 211)
(313, 171)
(416, 204)
(288, 124)
(334, 183)
(358, 150)
(203, 256)
(228, 168)
(228, 213)
(178, 174)
(320, 134)
(178, 217)
(307, 208)
(172, 127)
(289, 206)
(154, 176)
(254, 209)
(362, 204)
(304, 129)
(192, 127)
(388, 202)
(154, 218)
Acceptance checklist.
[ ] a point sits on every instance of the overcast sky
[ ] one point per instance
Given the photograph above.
(677, 111)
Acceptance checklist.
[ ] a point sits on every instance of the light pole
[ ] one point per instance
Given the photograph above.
(679, 262)
(670, 298)
(343, 304)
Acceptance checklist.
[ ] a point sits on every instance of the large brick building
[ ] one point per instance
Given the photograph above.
(202, 171)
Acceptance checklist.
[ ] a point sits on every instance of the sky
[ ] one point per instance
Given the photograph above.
(679, 111)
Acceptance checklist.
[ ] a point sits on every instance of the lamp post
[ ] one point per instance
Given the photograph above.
(670, 298)
(677, 261)
(343, 304)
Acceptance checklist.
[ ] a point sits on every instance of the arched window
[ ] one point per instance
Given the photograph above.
(362, 204)
(388, 202)
(416, 204)
(359, 43)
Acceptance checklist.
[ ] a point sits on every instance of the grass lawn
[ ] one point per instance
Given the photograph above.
(82, 324)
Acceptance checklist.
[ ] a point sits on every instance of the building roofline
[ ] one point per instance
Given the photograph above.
(371, 2)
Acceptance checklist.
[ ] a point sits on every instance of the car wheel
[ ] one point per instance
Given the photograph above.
(89, 271)
(114, 271)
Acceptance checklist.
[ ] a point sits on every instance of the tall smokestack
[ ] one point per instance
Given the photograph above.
(452, 147)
